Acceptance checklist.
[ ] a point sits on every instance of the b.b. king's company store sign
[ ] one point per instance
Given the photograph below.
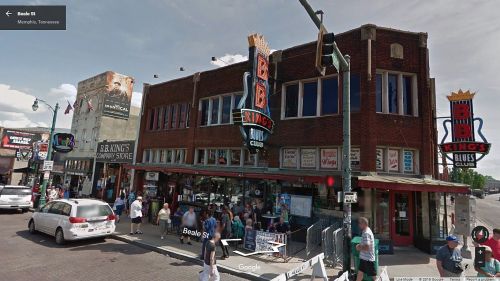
(115, 152)
(252, 113)
(463, 145)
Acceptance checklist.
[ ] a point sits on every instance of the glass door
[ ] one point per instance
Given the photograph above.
(402, 218)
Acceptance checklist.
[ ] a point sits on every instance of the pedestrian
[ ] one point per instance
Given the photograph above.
(449, 259)
(210, 271)
(366, 251)
(238, 230)
(177, 219)
(249, 225)
(163, 220)
(136, 216)
(131, 199)
(190, 223)
(282, 226)
(118, 206)
(226, 230)
(209, 226)
(491, 266)
(494, 243)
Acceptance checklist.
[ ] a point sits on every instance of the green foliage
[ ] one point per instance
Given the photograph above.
(468, 176)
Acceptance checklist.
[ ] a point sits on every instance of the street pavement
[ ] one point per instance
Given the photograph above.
(27, 257)
(488, 210)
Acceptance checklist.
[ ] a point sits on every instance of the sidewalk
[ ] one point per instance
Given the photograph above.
(258, 267)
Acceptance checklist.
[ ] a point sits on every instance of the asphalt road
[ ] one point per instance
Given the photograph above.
(488, 210)
(24, 256)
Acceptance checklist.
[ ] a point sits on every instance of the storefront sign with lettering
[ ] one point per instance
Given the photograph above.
(380, 159)
(355, 158)
(393, 160)
(290, 158)
(408, 161)
(308, 158)
(329, 158)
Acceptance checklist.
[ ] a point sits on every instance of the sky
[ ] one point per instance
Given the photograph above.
(148, 37)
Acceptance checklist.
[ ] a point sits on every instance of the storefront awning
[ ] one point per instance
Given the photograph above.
(411, 184)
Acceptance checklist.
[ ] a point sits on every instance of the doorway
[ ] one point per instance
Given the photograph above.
(402, 218)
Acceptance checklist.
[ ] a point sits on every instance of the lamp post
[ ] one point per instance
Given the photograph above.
(49, 151)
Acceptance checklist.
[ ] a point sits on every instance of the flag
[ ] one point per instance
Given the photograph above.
(89, 105)
(75, 104)
(68, 108)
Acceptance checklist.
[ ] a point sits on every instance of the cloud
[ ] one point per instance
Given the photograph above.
(229, 59)
(16, 101)
(136, 99)
(18, 120)
(65, 91)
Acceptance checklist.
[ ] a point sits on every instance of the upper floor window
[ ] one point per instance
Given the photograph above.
(396, 93)
(292, 100)
(182, 121)
(173, 116)
(166, 117)
(226, 110)
(215, 110)
(310, 98)
(330, 96)
(204, 112)
(218, 110)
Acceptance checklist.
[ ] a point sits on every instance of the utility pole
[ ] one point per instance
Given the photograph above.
(342, 64)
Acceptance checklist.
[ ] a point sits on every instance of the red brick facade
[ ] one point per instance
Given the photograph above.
(369, 128)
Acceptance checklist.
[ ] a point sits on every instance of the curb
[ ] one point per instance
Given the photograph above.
(188, 258)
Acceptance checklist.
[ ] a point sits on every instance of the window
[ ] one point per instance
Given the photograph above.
(310, 98)
(200, 157)
(378, 92)
(162, 156)
(221, 157)
(249, 159)
(215, 111)
(212, 154)
(237, 99)
(407, 96)
(226, 110)
(145, 156)
(235, 157)
(151, 119)
(204, 112)
(173, 116)
(159, 118)
(188, 110)
(329, 96)
(292, 100)
(393, 93)
(182, 123)
(166, 115)
(355, 93)
(169, 156)
(179, 156)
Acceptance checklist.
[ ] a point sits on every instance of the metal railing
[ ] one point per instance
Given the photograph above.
(332, 245)
(313, 235)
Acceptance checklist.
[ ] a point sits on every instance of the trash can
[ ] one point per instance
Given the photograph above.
(355, 254)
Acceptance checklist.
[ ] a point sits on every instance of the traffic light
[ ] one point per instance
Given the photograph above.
(327, 49)
(330, 181)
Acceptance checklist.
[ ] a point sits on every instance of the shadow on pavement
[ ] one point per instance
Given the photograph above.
(405, 256)
(11, 212)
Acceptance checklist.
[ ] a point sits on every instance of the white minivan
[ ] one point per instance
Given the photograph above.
(74, 219)
(15, 197)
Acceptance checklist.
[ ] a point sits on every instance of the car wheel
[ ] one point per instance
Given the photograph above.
(31, 227)
(60, 237)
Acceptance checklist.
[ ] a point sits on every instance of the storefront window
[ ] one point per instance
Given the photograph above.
(212, 154)
(221, 157)
(381, 214)
(235, 157)
(201, 157)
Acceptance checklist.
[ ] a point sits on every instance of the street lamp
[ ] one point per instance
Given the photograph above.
(49, 151)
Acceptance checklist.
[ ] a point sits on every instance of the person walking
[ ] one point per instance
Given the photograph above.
(118, 206)
(366, 251)
(188, 221)
(491, 266)
(494, 243)
(449, 258)
(226, 230)
(238, 230)
(163, 220)
(209, 226)
(136, 216)
(210, 271)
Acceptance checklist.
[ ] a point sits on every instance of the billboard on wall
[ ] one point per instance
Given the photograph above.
(118, 95)
(20, 139)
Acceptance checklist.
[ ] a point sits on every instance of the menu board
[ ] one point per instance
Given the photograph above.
(408, 161)
(355, 158)
(380, 159)
(393, 160)
(290, 158)
(308, 158)
(301, 205)
(329, 158)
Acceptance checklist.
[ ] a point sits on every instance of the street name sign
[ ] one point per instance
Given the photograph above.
(350, 197)
(48, 165)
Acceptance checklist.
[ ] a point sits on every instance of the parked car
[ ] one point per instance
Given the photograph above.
(478, 193)
(74, 219)
(15, 197)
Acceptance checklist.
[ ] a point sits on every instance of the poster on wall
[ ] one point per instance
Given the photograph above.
(308, 158)
(118, 95)
(393, 160)
(329, 158)
(301, 205)
(290, 157)
(355, 158)
(380, 159)
(408, 161)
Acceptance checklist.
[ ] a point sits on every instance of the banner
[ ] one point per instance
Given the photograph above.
(118, 95)
(21, 139)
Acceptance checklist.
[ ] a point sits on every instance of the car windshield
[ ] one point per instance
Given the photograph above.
(15, 191)
(93, 211)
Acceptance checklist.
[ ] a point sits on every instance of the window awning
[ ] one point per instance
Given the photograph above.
(411, 184)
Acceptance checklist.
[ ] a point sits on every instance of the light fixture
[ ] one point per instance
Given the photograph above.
(214, 59)
(181, 68)
(35, 105)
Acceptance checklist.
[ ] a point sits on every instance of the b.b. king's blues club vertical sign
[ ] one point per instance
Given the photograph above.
(463, 145)
(252, 112)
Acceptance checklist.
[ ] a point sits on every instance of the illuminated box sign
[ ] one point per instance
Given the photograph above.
(252, 113)
(63, 142)
(463, 145)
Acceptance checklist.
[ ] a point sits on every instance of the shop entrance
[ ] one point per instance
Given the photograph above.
(402, 218)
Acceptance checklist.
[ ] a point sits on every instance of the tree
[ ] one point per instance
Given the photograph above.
(468, 176)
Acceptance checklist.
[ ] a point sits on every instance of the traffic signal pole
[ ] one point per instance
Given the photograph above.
(344, 67)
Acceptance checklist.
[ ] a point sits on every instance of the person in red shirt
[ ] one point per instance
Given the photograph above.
(494, 243)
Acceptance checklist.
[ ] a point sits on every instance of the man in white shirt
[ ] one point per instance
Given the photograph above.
(189, 222)
(366, 251)
(136, 216)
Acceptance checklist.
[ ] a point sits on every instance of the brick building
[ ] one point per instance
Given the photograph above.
(189, 148)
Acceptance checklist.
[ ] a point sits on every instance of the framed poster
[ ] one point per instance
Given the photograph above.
(329, 158)
(393, 160)
(408, 161)
(301, 205)
(380, 159)
(290, 158)
(308, 158)
(355, 158)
